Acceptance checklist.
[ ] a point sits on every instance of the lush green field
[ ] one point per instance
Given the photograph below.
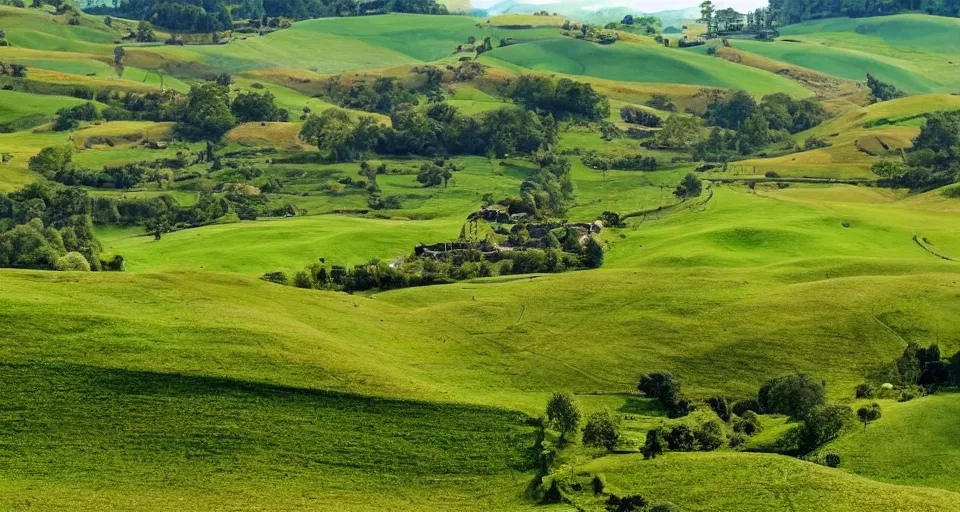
(128, 439)
(188, 383)
(914, 52)
(629, 62)
(747, 482)
(913, 443)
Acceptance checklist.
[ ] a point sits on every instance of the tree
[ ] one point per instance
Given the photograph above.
(205, 113)
(108, 21)
(253, 107)
(632, 503)
(593, 255)
(602, 430)
(678, 132)
(832, 460)
(882, 91)
(145, 32)
(709, 435)
(563, 413)
(954, 369)
(706, 11)
(51, 160)
(680, 438)
(868, 414)
(331, 131)
(690, 186)
(119, 56)
(793, 395)
(822, 424)
(655, 444)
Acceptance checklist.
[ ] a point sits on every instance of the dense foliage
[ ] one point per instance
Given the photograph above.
(42, 222)
(934, 159)
(794, 11)
(214, 15)
(564, 98)
(430, 130)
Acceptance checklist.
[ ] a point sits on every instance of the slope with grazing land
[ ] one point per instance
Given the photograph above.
(209, 365)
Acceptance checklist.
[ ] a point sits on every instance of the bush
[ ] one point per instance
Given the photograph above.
(275, 277)
(721, 406)
(793, 395)
(303, 279)
(865, 390)
(832, 460)
(749, 424)
(73, 262)
(680, 438)
(602, 430)
(633, 503)
(740, 407)
(709, 436)
(598, 484)
(822, 424)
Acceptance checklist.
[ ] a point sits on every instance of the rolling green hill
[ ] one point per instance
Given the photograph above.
(642, 63)
(914, 52)
(914, 443)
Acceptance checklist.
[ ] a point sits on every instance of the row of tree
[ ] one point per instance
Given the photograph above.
(795, 11)
(217, 15)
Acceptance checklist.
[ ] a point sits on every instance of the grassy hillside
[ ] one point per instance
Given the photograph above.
(914, 52)
(914, 443)
(130, 439)
(642, 63)
(703, 481)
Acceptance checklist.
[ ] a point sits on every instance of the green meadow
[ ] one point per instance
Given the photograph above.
(187, 382)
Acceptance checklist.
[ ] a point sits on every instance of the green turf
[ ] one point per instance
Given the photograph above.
(17, 105)
(913, 443)
(147, 440)
(642, 63)
(746, 482)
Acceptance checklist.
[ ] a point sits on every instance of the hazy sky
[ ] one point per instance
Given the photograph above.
(648, 5)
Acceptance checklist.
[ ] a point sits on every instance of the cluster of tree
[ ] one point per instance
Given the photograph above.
(548, 190)
(918, 370)
(253, 107)
(384, 96)
(565, 98)
(48, 226)
(742, 126)
(600, 162)
(804, 398)
(634, 115)
(882, 91)
(665, 388)
(432, 174)
(787, 12)
(934, 159)
(429, 130)
(216, 15)
(427, 271)
(68, 118)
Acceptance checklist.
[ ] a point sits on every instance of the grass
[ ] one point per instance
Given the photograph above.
(914, 52)
(221, 444)
(18, 105)
(661, 65)
(703, 481)
(914, 443)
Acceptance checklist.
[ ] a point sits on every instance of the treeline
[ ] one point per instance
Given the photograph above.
(795, 11)
(933, 160)
(742, 126)
(205, 113)
(217, 15)
(559, 250)
(564, 98)
(430, 130)
(47, 226)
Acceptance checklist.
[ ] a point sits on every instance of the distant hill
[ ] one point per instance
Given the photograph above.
(590, 13)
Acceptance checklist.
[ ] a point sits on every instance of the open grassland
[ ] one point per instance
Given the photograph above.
(628, 62)
(154, 441)
(15, 106)
(917, 53)
(915, 443)
(747, 482)
(752, 287)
